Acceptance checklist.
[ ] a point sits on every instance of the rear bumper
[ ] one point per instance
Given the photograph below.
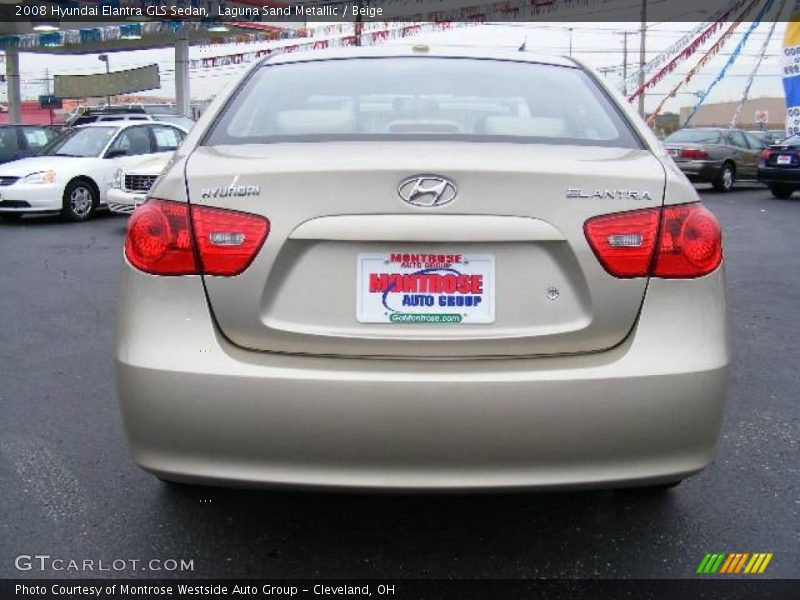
(700, 171)
(124, 202)
(198, 409)
(779, 175)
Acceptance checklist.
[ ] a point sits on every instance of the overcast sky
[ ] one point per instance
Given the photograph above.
(598, 44)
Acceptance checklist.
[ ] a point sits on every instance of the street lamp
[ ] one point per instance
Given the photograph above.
(104, 58)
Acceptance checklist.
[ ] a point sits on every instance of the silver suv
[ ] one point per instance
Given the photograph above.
(422, 269)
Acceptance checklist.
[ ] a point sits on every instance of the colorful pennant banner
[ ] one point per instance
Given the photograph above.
(633, 79)
(687, 52)
(731, 59)
(751, 78)
(368, 38)
(710, 53)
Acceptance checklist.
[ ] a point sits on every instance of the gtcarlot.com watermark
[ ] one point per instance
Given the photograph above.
(47, 563)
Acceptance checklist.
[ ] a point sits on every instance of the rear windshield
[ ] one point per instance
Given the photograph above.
(421, 98)
(694, 136)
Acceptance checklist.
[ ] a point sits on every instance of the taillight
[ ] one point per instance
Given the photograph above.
(693, 153)
(690, 243)
(680, 241)
(227, 240)
(160, 239)
(765, 154)
(624, 242)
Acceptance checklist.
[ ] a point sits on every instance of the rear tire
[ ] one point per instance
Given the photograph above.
(80, 200)
(11, 217)
(725, 179)
(781, 191)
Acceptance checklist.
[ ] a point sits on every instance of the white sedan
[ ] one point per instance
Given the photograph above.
(72, 175)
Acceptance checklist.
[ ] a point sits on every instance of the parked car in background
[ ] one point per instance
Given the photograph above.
(718, 156)
(165, 113)
(769, 136)
(72, 174)
(422, 268)
(779, 167)
(19, 141)
(130, 186)
(179, 120)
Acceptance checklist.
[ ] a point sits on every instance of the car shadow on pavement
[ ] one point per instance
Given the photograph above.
(324, 534)
(748, 186)
(54, 219)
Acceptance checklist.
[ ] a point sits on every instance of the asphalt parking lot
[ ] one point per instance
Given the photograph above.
(71, 491)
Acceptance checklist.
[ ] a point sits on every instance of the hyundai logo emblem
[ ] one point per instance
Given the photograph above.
(427, 191)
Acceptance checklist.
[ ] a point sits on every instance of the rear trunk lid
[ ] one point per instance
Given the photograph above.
(783, 155)
(675, 150)
(511, 271)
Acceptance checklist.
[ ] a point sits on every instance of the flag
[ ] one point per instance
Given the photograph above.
(791, 71)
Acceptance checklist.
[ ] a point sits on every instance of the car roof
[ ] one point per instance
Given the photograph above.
(717, 129)
(421, 50)
(124, 124)
(116, 123)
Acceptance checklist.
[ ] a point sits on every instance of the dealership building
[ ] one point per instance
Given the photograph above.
(757, 113)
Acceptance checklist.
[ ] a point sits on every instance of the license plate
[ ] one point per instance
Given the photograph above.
(425, 288)
(784, 159)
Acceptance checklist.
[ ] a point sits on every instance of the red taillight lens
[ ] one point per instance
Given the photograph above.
(693, 153)
(624, 242)
(765, 154)
(227, 240)
(160, 240)
(688, 242)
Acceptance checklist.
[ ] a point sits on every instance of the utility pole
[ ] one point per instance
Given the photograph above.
(104, 58)
(625, 62)
(358, 26)
(13, 86)
(624, 35)
(642, 55)
(570, 41)
(47, 93)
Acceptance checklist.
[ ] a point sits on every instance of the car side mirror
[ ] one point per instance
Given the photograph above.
(116, 153)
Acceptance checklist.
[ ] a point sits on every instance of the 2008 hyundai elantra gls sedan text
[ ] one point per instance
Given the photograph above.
(422, 268)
